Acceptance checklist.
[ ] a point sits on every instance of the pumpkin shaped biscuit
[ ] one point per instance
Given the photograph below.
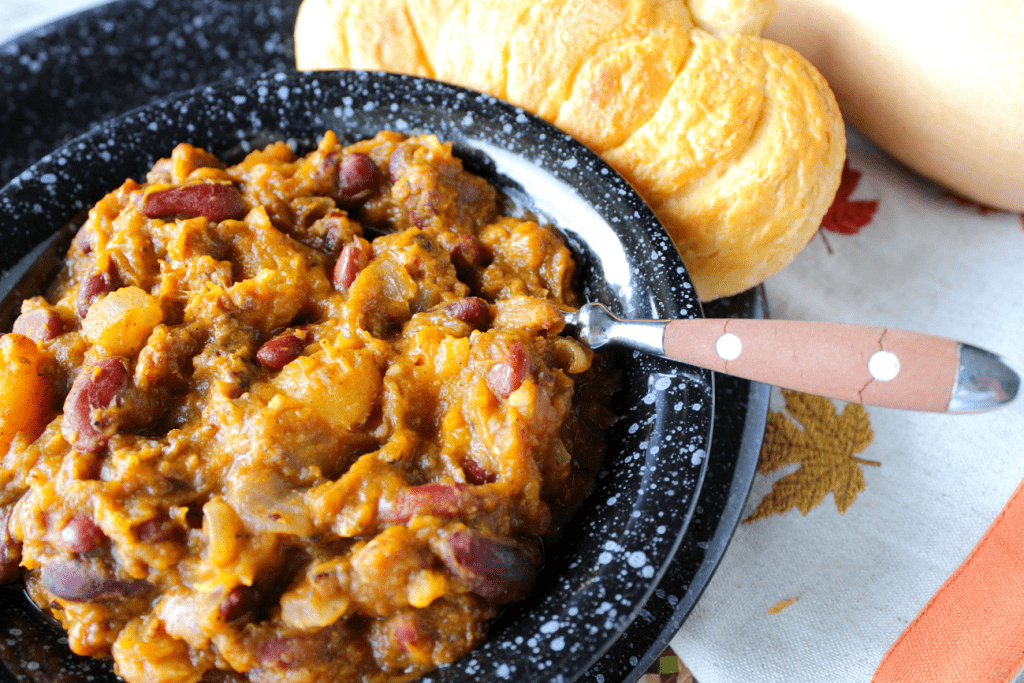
(736, 142)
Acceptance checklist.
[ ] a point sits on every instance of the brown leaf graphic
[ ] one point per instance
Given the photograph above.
(824, 448)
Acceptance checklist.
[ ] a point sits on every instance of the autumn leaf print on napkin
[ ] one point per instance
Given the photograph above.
(980, 208)
(847, 216)
(824, 444)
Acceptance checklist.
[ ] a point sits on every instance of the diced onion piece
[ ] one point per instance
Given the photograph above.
(425, 587)
(122, 321)
(341, 386)
(224, 532)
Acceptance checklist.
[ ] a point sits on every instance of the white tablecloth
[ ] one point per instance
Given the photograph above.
(821, 597)
(925, 262)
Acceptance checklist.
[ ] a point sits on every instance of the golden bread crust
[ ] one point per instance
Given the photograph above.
(735, 142)
(732, 17)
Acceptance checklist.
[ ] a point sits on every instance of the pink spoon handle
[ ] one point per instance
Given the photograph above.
(823, 359)
(871, 365)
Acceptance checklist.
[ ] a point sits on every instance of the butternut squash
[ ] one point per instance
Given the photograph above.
(939, 85)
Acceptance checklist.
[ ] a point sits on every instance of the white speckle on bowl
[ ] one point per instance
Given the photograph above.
(636, 559)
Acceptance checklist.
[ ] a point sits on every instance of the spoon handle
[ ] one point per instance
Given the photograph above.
(871, 365)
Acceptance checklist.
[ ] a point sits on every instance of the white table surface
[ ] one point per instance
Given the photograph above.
(925, 262)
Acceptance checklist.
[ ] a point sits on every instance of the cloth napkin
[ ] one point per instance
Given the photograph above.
(909, 582)
(973, 628)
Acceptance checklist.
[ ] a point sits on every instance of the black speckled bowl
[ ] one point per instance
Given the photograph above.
(615, 551)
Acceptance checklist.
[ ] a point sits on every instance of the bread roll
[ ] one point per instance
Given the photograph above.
(734, 141)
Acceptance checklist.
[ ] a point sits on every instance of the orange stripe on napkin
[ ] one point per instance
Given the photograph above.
(972, 630)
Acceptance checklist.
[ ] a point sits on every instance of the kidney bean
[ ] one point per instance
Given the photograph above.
(85, 240)
(436, 499)
(96, 387)
(80, 581)
(471, 310)
(295, 651)
(160, 528)
(476, 474)
(81, 534)
(240, 602)
(406, 636)
(215, 201)
(337, 229)
(398, 163)
(496, 570)
(467, 253)
(410, 632)
(353, 259)
(280, 351)
(357, 176)
(39, 325)
(507, 375)
(91, 289)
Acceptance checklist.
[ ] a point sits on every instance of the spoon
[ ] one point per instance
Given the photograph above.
(871, 365)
